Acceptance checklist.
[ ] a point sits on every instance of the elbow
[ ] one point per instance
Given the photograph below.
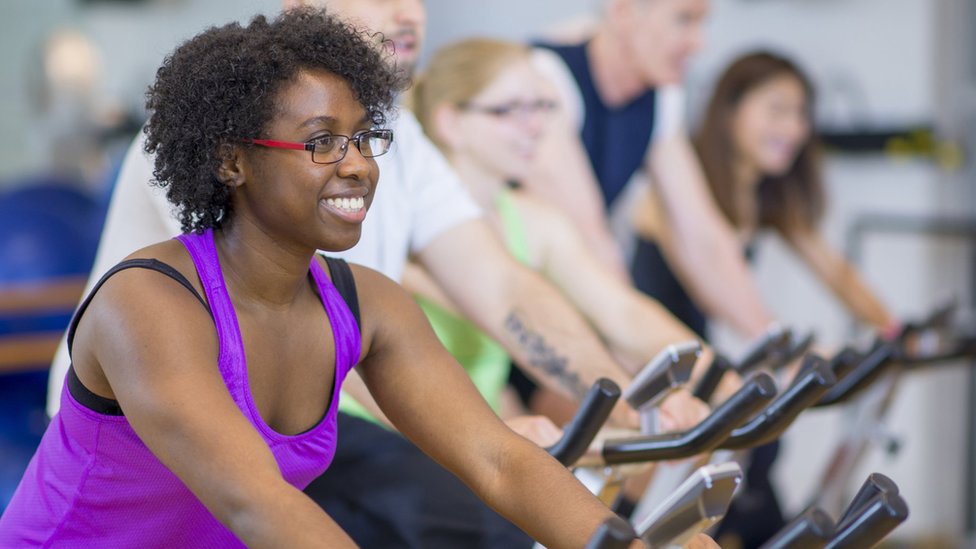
(236, 512)
(242, 510)
(720, 240)
(700, 247)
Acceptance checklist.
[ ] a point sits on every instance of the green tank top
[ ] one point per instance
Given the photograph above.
(485, 361)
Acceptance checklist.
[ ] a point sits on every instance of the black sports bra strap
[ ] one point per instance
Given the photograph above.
(152, 265)
(345, 284)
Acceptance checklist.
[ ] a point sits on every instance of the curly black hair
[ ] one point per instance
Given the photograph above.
(221, 85)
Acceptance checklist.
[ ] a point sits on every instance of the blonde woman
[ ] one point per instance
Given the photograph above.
(484, 105)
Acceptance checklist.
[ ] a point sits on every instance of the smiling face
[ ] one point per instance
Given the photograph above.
(401, 22)
(771, 124)
(499, 128)
(321, 206)
(661, 35)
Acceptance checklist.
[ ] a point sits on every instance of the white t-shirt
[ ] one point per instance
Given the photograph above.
(418, 198)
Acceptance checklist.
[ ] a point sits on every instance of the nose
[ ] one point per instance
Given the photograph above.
(534, 121)
(696, 38)
(411, 12)
(354, 165)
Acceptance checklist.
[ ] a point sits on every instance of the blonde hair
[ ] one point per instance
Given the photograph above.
(458, 72)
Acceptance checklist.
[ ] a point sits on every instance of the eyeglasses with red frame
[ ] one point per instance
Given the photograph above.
(332, 148)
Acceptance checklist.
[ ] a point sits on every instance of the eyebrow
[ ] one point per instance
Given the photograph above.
(329, 120)
(318, 119)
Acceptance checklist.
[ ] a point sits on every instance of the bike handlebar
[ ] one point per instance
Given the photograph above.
(756, 392)
(586, 423)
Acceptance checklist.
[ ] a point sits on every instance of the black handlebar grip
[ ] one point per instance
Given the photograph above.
(795, 350)
(712, 377)
(940, 317)
(768, 425)
(879, 517)
(755, 393)
(863, 374)
(772, 339)
(590, 417)
(845, 361)
(812, 529)
(873, 486)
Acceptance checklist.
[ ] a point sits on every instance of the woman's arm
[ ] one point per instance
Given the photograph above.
(516, 306)
(841, 277)
(418, 281)
(430, 399)
(632, 323)
(146, 342)
(699, 243)
(563, 177)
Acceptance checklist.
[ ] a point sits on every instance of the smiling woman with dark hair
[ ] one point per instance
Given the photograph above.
(762, 161)
(205, 374)
(236, 76)
(763, 164)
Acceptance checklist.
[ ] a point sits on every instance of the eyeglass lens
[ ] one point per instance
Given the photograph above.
(333, 148)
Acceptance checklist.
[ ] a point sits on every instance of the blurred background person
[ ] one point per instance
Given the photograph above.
(483, 103)
(763, 164)
(624, 125)
(622, 86)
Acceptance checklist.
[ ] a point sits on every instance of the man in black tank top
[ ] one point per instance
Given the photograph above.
(618, 86)
(624, 111)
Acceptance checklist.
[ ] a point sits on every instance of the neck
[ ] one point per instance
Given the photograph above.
(614, 78)
(260, 269)
(746, 175)
(483, 185)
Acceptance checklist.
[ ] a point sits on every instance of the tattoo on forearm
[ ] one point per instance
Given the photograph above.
(542, 356)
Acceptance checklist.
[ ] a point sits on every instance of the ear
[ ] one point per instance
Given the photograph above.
(230, 171)
(447, 121)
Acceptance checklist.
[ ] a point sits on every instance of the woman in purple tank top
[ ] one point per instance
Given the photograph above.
(206, 369)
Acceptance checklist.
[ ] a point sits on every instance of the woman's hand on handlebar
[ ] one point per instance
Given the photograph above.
(731, 382)
(623, 416)
(681, 411)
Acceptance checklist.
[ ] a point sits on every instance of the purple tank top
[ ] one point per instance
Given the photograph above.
(93, 483)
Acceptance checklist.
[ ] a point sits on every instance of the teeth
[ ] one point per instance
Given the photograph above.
(347, 204)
